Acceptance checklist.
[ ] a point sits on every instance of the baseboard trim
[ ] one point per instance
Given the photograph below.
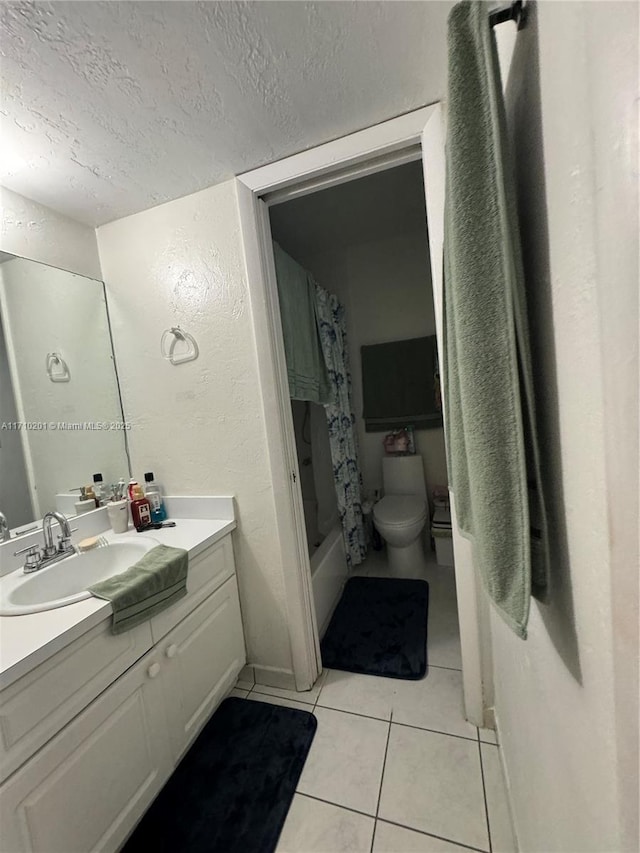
(505, 773)
(270, 676)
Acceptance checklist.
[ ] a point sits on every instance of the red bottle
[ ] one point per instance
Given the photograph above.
(140, 508)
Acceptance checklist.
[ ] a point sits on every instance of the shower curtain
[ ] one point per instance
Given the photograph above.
(341, 422)
(309, 312)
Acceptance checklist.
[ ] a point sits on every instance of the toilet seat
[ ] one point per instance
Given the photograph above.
(400, 510)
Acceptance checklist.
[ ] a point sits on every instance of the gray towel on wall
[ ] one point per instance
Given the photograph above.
(306, 367)
(491, 438)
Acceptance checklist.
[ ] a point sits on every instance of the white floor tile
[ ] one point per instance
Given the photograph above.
(434, 702)
(488, 736)
(307, 696)
(315, 827)
(244, 685)
(443, 632)
(344, 765)
(500, 827)
(279, 700)
(433, 783)
(360, 694)
(241, 694)
(396, 839)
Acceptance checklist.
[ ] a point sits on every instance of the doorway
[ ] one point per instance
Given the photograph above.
(415, 136)
(366, 242)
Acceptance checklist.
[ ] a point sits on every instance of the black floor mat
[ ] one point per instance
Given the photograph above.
(232, 790)
(379, 628)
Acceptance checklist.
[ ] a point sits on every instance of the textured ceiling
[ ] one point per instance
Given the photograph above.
(379, 206)
(109, 108)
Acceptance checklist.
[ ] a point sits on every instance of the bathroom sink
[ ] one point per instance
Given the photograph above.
(66, 582)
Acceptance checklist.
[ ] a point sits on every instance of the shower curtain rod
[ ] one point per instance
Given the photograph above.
(515, 11)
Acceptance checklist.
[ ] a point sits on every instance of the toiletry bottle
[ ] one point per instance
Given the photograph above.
(153, 493)
(140, 508)
(132, 484)
(99, 490)
(120, 491)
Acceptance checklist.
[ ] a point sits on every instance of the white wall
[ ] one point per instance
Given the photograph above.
(567, 698)
(385, 286)
(49, 310)
(30, 230)
(200, 426)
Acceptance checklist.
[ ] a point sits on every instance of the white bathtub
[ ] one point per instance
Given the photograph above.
(328, 576)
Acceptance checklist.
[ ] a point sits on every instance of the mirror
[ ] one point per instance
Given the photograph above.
(61, 418)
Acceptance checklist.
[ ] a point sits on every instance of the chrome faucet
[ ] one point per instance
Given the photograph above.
(5, 533)
(38, 558)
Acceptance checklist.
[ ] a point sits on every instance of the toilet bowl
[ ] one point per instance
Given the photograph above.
(402, 513)
(400, 520)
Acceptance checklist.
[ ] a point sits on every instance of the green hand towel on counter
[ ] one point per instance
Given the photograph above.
(152, 584)
(493, 457)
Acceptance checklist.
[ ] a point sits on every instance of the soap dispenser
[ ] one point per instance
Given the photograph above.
(86, 502)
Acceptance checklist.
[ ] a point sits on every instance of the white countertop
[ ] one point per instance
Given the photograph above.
(26, 641)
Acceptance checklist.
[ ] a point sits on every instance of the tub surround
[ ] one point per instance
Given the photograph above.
(26, 641)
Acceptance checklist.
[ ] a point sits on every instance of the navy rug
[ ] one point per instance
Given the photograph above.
(232, 790)
(379, 628)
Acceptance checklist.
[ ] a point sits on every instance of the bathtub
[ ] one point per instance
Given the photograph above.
(328, 576)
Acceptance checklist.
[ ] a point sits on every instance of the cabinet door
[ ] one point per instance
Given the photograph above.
(85, 790)
(203, 656)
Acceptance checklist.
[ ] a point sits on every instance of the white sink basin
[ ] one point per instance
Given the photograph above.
(66, 582)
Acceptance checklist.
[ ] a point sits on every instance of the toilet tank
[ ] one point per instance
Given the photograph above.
(404, 475)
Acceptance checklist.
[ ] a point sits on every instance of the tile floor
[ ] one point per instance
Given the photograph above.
(394, 766)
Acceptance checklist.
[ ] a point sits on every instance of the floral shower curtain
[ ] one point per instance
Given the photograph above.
(341, 421)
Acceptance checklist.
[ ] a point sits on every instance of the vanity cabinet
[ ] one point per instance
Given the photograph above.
(87, 787)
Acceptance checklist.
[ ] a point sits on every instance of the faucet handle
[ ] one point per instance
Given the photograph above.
(33, 559)
(64, 542)
(30, 549)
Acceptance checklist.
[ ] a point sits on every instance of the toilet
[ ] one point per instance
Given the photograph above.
(403, 512)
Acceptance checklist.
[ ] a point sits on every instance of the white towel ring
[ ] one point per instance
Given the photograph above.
(57, 368)
(168, 351)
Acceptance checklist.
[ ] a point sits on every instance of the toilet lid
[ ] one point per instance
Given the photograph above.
(399, 510)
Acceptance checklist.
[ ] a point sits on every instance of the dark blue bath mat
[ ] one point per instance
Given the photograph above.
(232, 790)
(379, 628)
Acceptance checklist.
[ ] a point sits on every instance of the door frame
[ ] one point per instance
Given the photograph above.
(415, 135)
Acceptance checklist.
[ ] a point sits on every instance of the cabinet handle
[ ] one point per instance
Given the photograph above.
(171, 651)
(153, 670)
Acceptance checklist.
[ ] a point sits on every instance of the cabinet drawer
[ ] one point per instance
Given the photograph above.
(37, 706)
(208, 571)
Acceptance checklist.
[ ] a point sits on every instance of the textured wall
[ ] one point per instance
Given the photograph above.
(566, 699)
(38, 233)
(199, 426)
(115, 107)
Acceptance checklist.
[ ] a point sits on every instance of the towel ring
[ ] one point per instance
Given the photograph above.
(168, 352)
(57, 368)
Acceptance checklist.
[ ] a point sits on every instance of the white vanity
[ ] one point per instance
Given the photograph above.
(92, 724)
